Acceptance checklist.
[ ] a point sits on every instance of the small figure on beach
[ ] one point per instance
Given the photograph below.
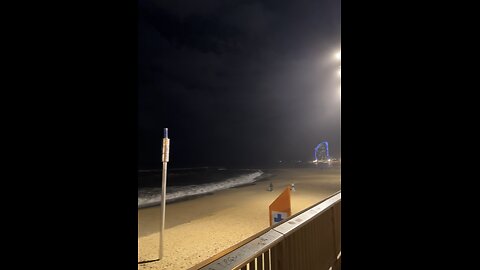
(270, 187)
(292, 187)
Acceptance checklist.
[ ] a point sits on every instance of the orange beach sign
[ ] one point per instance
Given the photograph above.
(280, 208)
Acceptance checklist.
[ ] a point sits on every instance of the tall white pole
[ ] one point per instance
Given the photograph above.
(165, 158)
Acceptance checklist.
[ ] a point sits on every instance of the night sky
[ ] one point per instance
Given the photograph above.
(238, 83)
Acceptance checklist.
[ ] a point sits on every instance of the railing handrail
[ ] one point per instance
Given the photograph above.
(268, 237)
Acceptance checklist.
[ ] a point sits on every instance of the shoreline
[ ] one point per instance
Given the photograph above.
(263, 177)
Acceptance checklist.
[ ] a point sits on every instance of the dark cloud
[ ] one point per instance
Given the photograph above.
(237, 81)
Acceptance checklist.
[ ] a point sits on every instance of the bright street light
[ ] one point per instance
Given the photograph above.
(338, 55)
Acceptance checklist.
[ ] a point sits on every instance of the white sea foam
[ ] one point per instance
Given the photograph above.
(152, 196)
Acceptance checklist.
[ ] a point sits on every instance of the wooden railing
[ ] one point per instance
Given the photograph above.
(309, 239)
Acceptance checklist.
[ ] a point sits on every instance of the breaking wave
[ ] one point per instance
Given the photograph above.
(152, 196)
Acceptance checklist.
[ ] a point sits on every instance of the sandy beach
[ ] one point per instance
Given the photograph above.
(199, 228)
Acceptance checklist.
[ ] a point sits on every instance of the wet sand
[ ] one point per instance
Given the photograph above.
(199, 228)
